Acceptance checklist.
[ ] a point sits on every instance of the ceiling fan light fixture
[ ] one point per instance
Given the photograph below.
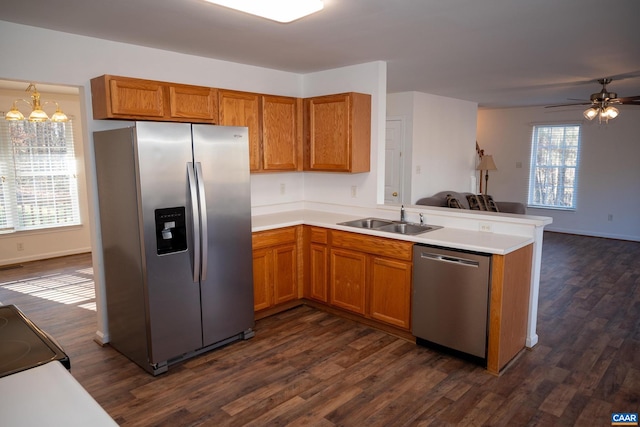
(590, 113)
(276, 10)
(610, 112)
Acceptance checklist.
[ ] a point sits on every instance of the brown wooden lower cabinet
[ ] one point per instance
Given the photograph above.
(508, 306)
(390, 283)
(318, 275)
(348, 272)
(275, 267)
(371, 277)
(365, 275)
(262, 280)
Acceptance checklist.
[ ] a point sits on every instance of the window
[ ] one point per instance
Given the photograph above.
(38, 184)
(555, 153)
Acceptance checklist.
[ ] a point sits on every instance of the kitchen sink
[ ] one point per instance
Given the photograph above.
(407, 228)
(367, 223)
(398, 227)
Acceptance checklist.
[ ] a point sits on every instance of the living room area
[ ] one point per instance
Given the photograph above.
(440, 134)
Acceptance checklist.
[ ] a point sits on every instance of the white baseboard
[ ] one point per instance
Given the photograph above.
(41, 256)
(592, 233)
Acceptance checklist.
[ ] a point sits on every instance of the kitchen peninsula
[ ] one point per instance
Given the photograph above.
(514, 243)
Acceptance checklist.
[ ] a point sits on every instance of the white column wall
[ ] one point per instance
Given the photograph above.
(442, 138)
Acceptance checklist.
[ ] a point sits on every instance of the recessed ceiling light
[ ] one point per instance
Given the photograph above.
(276, 10)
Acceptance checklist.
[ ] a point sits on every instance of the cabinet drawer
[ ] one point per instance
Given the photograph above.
(319, 235)
(263, 239)
(373, 245)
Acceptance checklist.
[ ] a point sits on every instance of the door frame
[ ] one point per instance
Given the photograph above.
(403, 167)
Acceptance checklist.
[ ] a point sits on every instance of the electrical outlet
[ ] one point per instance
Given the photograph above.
(485, 226)
(283, 188)
(354, 191)
(20, 246)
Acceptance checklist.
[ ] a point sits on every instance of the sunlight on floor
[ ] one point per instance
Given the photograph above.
(77, 288)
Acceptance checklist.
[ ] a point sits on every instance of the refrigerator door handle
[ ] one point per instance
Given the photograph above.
(203, 221)
(196, 221)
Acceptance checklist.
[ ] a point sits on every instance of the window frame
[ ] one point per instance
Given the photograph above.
(10, 175)
(534, 165)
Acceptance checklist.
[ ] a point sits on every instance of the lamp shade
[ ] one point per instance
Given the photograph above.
(487, 164)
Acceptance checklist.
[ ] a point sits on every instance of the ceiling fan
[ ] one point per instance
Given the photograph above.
(602, 104)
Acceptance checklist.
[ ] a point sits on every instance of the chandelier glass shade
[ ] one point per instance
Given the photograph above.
(37, 113)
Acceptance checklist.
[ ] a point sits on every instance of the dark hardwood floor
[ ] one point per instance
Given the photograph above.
(308, 367)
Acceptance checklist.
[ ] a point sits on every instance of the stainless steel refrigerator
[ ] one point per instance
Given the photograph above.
(175, 216)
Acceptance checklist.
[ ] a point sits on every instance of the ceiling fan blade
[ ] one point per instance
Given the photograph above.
(568, 105)
(629, 100)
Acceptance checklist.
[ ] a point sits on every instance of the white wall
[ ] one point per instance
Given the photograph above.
(368, 78)
(39, 244)
(442, 138)
(609, 175)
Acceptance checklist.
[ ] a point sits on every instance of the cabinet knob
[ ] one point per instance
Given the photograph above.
(395, 194)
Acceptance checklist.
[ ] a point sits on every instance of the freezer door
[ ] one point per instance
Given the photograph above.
(221, 157)
(164, 151)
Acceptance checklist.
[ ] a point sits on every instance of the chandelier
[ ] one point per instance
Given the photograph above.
(37, 113)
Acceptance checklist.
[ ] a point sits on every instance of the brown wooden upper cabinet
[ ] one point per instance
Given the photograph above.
(275, 128)
(338, 133)
(126, 98)
(281, 133)
(243, 109)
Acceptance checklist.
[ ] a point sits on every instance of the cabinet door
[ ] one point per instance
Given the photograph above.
(328, 133)
(348, 276)
(132, 97)
(280, 133)
(262, 279)
(391, 291)
(194, 103)
(285, 283)
(318, 272)
(243, 109)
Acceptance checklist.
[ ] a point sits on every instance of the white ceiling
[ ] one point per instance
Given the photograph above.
(498, 53)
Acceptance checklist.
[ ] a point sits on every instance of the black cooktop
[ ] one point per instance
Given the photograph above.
(23, 345)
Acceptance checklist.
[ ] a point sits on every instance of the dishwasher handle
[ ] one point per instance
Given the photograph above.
(450, 259)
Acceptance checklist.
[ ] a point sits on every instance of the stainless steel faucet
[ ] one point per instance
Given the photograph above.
(402, 213)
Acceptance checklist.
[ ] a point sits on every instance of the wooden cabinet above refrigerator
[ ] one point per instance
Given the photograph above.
(126, 98)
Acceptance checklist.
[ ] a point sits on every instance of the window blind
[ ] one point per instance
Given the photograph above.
(38, 173)
(555, 154)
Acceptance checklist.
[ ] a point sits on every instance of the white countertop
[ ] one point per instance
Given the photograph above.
(493, 243)
(48, 395)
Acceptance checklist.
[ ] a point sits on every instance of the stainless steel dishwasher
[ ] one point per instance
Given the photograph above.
(450, 300)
